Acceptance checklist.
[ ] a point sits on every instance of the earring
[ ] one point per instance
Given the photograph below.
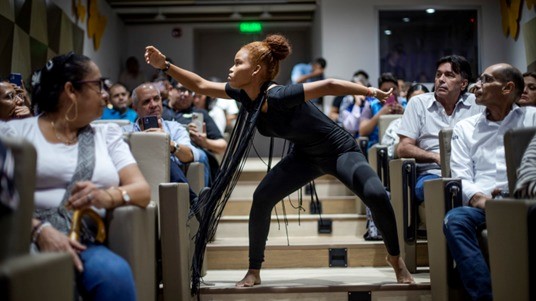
(69, 110)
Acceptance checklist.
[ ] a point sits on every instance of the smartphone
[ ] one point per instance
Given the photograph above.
(197, 119)
(391, 100)
(15, 78)
(149, 122)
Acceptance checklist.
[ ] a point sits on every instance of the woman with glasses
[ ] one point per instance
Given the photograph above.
(13, 102)
(79, 166)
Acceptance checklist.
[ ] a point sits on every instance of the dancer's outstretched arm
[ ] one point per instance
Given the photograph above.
(190, 80)
(339, 87)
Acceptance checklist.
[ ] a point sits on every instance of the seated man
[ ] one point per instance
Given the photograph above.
(478, 159)
(428, 113)
(180, 108)
(118, 107)
(146, 101)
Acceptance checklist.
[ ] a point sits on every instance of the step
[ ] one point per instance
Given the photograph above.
(350, 224)
(324, 187)
(303, 252)
(320, 284)
(330, 205)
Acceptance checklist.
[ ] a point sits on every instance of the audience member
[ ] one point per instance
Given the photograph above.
(390, 137)
(305, 73)
(478, 159)
(216, 113)
(428, 113)
(229, 107)
(13, 102)
(131, 77)
(146, 100)
(118, 107)
(528, 98)
(346, 102)
(180, 108)
(368, 123)
(79, 166)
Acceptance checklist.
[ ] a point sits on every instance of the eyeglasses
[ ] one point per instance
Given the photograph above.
(486, 79)
(14, 96)
(104, 84)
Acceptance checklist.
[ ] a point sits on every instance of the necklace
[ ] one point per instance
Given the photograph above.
(63, 139)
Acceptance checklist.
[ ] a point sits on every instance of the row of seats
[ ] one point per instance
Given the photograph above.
(133, 232)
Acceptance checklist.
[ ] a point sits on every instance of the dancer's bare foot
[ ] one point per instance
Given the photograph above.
(401, 272)
(253, 277)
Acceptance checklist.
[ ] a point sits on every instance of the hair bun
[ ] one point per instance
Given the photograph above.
(279, 46)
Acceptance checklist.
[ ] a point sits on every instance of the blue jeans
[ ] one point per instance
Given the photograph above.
(419, 185)
(461, 227)
(106, 275)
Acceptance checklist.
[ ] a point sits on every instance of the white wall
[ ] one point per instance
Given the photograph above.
(351, 39)
(515, 50)
(345, 32)
(107, 57)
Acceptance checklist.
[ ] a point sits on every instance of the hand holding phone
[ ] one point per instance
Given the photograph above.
(149, 122)
(15, 78)
(197, 119)
(391, 100)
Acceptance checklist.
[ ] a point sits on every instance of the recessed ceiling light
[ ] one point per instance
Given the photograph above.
(387, 32)
(406, 19)
(430, 10)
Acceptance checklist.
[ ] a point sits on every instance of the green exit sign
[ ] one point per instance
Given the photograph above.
(250, 27)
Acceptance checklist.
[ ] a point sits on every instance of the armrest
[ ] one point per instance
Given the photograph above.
(132, 235)
(379, 161)
(196, 176)
(176, 240)
(508, 239)
(438, 202)
(362, 141)
(402, 185)
(41, 276)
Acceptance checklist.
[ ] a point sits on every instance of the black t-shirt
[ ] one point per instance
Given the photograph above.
(302, 123)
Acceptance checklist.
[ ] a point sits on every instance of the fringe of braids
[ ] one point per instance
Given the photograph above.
(210, 205)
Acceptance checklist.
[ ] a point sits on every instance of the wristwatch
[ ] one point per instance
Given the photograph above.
(176, 148)
(166, 67)
(124, 195)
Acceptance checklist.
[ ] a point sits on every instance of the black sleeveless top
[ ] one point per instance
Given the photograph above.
(302, 123)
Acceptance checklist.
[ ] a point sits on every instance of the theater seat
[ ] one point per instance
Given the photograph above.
(511, 235)
(25, 276)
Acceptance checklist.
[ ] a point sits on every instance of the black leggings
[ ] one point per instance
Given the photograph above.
(294, 171)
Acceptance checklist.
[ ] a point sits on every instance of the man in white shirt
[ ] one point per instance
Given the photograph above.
(478, 159)
(428, 113)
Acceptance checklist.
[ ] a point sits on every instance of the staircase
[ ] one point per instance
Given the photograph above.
(308, 256)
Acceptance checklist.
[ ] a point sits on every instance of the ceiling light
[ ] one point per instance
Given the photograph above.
(266, 15)
(406, 19)
(236, 15)
(160, 16)
(430, 10)
(387, 32)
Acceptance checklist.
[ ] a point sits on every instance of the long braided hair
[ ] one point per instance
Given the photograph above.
(210, 204)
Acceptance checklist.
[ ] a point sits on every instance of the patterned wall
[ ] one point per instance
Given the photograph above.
(33, 31)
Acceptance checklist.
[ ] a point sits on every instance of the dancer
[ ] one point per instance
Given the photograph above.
(320, 145)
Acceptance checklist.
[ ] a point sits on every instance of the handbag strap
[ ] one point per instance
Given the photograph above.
(59, 216)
